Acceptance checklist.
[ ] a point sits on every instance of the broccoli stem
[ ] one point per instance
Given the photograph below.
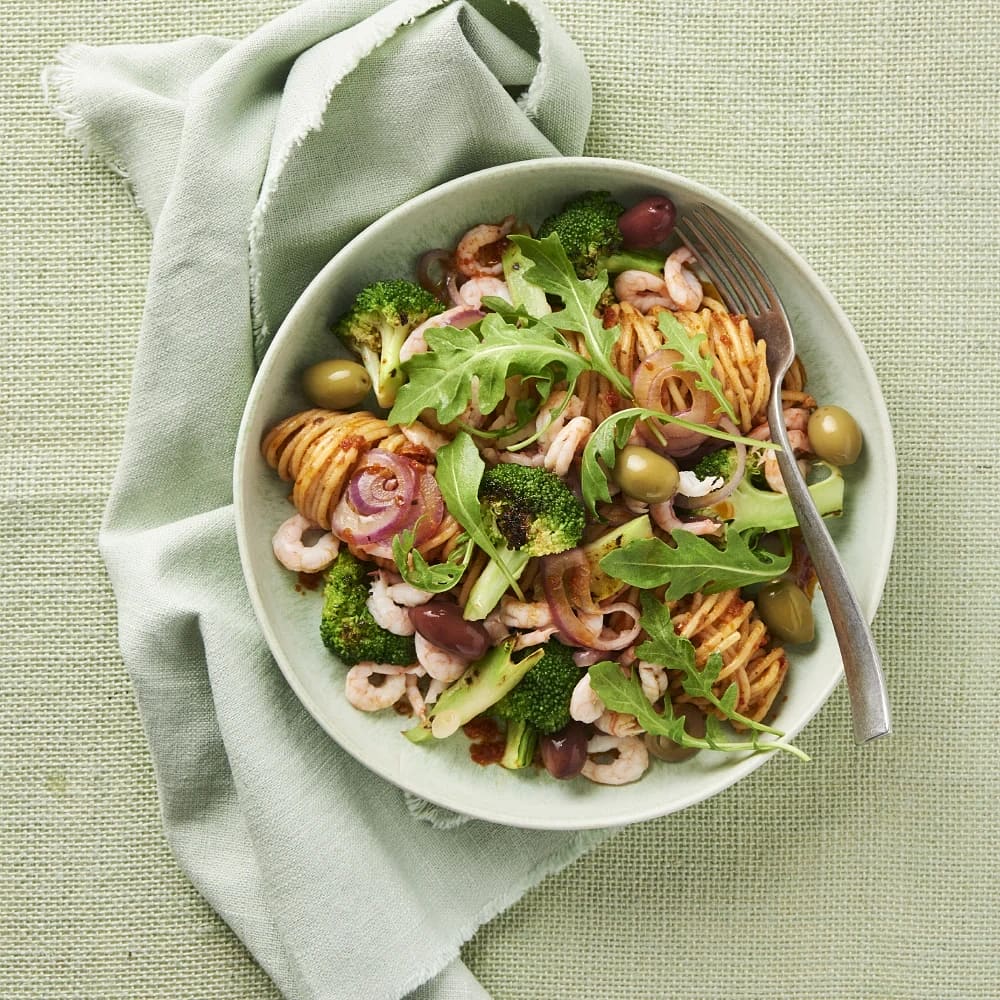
(602, 584)
(522, 291)
(478, 689)
(633, 260)
(522, 739)
(749, 507)
(493, 582)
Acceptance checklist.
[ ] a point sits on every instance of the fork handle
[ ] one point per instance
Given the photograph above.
(862, 666)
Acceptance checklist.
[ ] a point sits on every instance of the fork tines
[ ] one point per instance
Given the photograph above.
(727, 262)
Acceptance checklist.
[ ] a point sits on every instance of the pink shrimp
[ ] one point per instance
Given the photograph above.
(472, 244)
(682, 283)
(799, 441)
(643, 291)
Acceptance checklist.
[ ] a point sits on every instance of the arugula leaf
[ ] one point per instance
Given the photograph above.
(417, 572)
(693, 563)
(441, 379)
(613, 433)
(674, 652)
(549, 268)
(688, 346)
(460, 470)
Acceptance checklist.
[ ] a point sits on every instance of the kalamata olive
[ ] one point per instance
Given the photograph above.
(336, 384)
(786, 611)
(648, 223)
(564, 752)
(441, 623)
(834, 435)
(667, 749)
(644, 475)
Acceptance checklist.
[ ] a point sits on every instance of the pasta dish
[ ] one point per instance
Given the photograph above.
(542, 503)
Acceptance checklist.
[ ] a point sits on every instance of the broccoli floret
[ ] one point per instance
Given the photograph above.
(748, 506)
(347, 627)
(481, 686)
(587, 227)
(721, 463)
(382, 317)
(542, 697)
(529, 511)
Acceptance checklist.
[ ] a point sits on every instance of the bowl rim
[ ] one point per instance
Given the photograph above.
(877, 570)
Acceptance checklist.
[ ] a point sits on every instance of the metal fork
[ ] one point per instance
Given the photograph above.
(747, 290)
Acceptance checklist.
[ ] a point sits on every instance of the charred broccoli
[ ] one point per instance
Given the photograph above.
(347, 627)
(529, 511)
(382, 317)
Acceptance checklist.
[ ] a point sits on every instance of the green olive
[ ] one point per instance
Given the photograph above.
(644, 475)
(834, 435)
(665, 748)
(336, 384)
(786, 611)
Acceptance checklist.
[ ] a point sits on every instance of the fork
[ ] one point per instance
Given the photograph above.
(748, 291)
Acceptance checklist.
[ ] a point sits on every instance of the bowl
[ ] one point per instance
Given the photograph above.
(443, 773)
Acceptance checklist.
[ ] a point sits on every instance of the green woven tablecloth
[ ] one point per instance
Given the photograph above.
(867, 135)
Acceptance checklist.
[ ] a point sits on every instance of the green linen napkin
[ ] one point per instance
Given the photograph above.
(254, 161)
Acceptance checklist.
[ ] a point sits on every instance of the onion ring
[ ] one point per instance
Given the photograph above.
(650, 382)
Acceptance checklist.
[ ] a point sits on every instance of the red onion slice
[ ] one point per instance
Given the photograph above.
(384, 479)
(392, 492)
(580, 622)
(649, 384)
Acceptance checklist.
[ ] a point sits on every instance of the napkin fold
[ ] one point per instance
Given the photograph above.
(254, 161)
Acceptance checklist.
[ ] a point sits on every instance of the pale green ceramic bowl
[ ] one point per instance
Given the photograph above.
(443, 772)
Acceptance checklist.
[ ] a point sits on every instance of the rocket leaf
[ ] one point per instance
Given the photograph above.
(693, 563)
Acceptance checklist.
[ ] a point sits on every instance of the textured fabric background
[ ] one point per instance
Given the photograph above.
(867, 134)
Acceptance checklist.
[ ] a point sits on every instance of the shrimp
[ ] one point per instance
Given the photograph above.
(407, 595)
(584, 704)
(796, 419)
(654, 680)
(617, 723)
(385, 611)
(629, 765)
(293, 553)
(438, 662)
(799, 441)
(415, 698)
(472, 244)
(473, 291)
(548, 426)
(368, 697)
(643, 290)
(424, 436)
(525, 640)
(522, 614)
(682, 283)
(567, 443)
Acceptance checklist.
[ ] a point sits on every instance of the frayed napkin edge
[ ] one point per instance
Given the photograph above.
(382, 31)
(381, 28)
(59, 93)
